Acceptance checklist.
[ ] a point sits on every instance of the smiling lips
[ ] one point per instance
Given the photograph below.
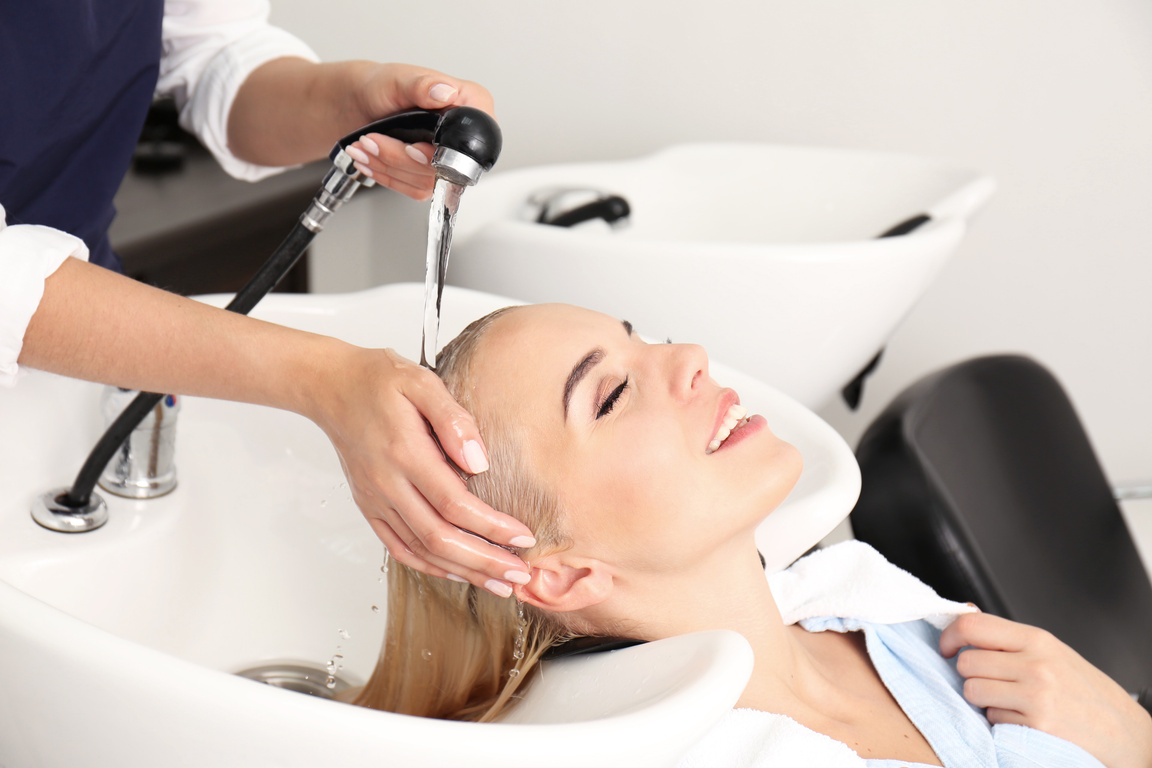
(736, 417)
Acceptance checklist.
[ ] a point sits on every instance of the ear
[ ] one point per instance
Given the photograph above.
(561, 584)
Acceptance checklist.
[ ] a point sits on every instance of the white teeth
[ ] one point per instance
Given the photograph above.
(736, 416)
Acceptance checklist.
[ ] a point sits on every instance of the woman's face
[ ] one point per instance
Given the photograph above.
(625, 434)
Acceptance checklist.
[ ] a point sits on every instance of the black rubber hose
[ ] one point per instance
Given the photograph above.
(272, 272)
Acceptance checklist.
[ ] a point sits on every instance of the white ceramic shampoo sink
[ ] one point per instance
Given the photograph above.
(765, 254)
(118, 646)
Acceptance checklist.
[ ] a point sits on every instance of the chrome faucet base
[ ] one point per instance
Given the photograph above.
(49, 511)
(144, 466)
(138, 489)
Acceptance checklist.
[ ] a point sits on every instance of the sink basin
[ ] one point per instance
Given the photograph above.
(119, 646)
(767, 255)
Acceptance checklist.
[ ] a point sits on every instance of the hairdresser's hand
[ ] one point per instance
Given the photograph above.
(417, 504)
(1022, 674)
(390, 88)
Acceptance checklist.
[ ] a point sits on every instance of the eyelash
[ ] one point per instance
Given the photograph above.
(610, 401)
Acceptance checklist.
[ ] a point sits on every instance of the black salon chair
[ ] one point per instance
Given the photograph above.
(980, 480)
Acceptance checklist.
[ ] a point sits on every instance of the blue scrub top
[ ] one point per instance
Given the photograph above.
(76, 80)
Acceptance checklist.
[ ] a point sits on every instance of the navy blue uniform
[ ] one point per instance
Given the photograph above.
(76, 80)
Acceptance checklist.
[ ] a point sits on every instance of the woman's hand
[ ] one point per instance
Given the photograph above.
(1022, 674)
(291, 111)
(389, 88)
(414, 500)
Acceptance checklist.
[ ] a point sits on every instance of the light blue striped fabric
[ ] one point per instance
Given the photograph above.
(928, 688)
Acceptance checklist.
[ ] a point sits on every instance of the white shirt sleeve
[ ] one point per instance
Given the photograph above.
(28, 255)
(209, 48)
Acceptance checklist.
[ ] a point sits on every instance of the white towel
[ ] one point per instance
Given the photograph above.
(853, 580)
(847, 580)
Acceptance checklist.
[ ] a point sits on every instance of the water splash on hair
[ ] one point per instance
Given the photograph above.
(518, 647)
(384, 566)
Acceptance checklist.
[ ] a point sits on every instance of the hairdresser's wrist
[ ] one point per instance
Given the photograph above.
(317, 375)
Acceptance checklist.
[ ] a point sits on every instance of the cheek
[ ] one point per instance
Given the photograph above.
(642, 498)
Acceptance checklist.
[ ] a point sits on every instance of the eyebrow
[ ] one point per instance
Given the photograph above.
(581, 369)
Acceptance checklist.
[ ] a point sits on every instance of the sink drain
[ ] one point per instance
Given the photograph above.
(306, 678)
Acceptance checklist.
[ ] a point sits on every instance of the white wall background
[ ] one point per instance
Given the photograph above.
(1053, 97)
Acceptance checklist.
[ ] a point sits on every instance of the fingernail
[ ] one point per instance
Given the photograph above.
(415, 154)
(370, 145)
(442, 92)
(363, 169)
(475, 457)
(357, 154)
(521, 542)
(454, 577)
(498, 588)
(518, 577)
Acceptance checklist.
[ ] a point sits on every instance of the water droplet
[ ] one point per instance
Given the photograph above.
(426, 654)
(323, 503)
(375, 609)
(344, 634)
(330, 682)
(513, 673)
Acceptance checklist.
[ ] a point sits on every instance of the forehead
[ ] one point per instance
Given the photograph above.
(526, 355)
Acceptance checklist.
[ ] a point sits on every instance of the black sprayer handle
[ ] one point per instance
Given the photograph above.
(410, 127)
(467, 130)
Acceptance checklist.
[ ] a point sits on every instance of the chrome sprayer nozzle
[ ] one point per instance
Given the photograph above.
(456, 167)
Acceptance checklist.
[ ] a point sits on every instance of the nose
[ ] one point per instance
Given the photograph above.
(688, 369)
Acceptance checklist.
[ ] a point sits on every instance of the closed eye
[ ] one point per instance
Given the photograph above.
(610, 401)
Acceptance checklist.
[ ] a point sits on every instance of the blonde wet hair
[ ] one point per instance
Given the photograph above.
(450, 650)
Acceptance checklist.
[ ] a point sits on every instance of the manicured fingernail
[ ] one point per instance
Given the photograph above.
(498, 588)
(363, 169)
(475, 457)
(517, 577)
(415, 154)
(442, 92)
(454, 577)
(357, 154)
(521, 542)
(371, 146)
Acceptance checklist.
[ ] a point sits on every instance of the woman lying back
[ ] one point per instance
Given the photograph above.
(644, 481)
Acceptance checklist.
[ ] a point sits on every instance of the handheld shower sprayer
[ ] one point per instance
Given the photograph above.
(467, 141)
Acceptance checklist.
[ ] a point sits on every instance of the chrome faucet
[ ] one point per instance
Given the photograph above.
(144, 466)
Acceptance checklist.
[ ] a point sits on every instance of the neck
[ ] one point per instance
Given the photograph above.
(727, 592)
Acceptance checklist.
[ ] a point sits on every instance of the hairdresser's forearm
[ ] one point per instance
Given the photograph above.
(96, 325)
(291, 111)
